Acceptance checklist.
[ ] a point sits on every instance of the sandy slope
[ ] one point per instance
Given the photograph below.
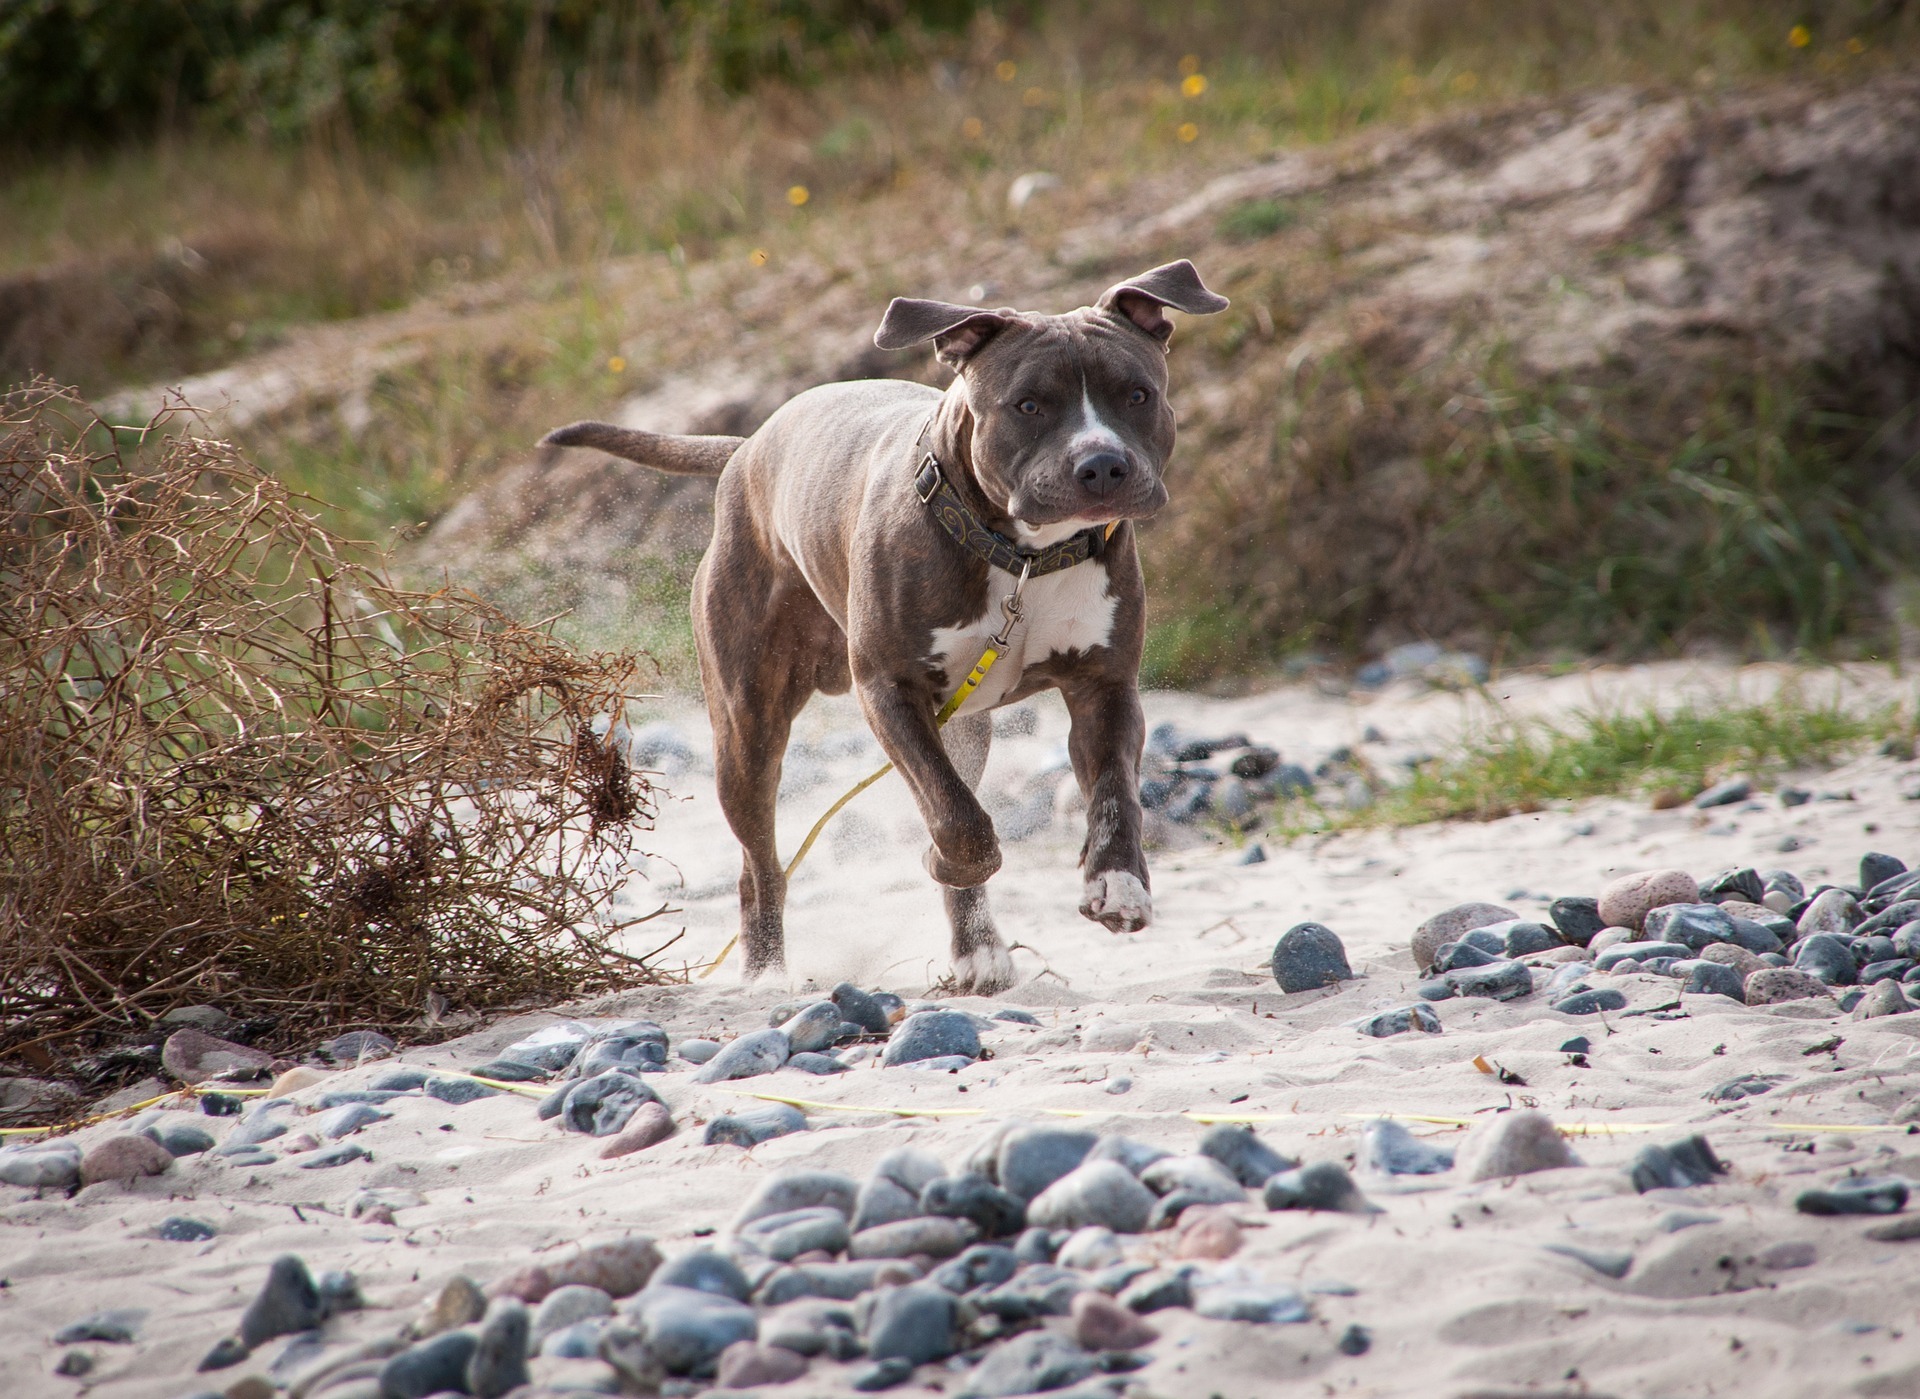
(1452, 1279)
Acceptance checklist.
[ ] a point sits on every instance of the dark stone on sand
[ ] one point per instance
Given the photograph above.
(1687, 1162)
(1858, 1195)
(1248, 1159)
(997, 1213)
(1592, 1002)
(1309, 956)
(1577, 916)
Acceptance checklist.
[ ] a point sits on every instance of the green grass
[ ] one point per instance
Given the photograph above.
(1516, 766)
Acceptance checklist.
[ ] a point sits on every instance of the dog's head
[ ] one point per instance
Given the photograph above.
(1068, 423)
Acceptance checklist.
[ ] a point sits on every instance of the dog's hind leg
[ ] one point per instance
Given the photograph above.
(982, 965)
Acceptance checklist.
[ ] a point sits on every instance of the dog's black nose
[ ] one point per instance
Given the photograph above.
(1101, 472)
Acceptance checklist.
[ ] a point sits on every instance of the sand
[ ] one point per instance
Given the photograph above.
(1453, 1280)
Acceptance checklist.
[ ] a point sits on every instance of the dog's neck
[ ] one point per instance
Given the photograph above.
(949, 436)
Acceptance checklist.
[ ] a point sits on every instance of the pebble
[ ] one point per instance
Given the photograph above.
(1609, 937)
(1743, 884)
(1158, 1291)
(1099, 1192)
(1248, 1159)
(1355, 1340)
(295, 1079)
(618, 1267)
(1031, 1363)
(1745, 1086)
(933, 1034)
(1687, 1162)
(74, 1364)
(458, 1090)
(814, 1028)
(1032, 1158)
(687, 1330)
(883, 1201)
(432, 1366)
(1230, 1302)
(1743, 962)
(1324, 1185)
(1613, 956)
(914, 1323)
(580, 1341)
(228, 1350)
(706, 1270)
(1207, 1232)
(1693, 925)
(399, 1081)
(194, 1056)
(799, 1190)
(499, 1360)
(1100, 1323)
(1503, 981)
(1516, 1144)
(287, 1302)
(983, 1265)
(1090, 1248)
(1777, 984)
(1827, 956)
(650, 1125)
(820, 1064)
(995, 1212)
(180, 1229)
(1577, 917)
(1401, 1020)
(52, 1165)
(1899, 1231)
(116, 1327)
(1789, 1253)
(745, 1364)
(881, 1374)
(1308, 957)
(1733, 789)
(698, 1051)
(1714, 979)
(1832, 911)
(124, 1157)
(941, 1064)
(1592, 1002)
(1387, 1148)
(603, 1105)
(358, 1047)
(345, 1120)
(339, 1154)
(751, 1126)
(1458, 956)
(1856, 1195)
(1625, 902)
(862, 1009)
(784, 1237)
(933, 1235)
(760, 1052)
(1015, 1017)
(1201, 1175)
(1673, 1221)
(1607, 1262)
(838, 1281)
(1447, 926)
(1885, 998)
(568, 1306)
(1876, 869)
(513, 1070)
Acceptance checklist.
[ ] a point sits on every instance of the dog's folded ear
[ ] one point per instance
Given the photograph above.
(956, 331)
(1141, 299)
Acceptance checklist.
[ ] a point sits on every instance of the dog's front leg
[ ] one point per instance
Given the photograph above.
(1105, 742)
(965, 851)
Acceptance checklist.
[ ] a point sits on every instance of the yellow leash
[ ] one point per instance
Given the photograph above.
(996, 647)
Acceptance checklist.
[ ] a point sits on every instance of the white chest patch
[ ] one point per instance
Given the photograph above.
(1071, 610)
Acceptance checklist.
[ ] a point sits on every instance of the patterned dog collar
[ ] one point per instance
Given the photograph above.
(938, 495)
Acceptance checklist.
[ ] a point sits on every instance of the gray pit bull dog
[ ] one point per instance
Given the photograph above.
(869, 535)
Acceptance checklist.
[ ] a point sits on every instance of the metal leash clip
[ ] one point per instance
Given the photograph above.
(1011, 606)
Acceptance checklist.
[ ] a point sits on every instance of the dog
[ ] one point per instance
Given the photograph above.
(870, 536)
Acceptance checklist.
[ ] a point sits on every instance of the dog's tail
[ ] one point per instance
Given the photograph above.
(677, 456)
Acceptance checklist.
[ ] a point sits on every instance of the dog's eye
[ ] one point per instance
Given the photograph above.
(1028, 406)
(1137, 397)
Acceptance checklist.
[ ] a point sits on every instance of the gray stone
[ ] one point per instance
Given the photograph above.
(814, 1028)
(1732, 790)
(1613, 956)
(1577, 917)
(1253, 1302)
(1090, 1248)
(40, 1166)
(1212, 1182)
(602, 1105)
(580, 1341)
(1308, 957)
(699, 1051)
(339, 1154)
(1832, 911)
(1387, 1148)
(1037, 1290)
(932, 1034)
(687, 1329)
(434, 1366)
(1673, 1221)
(499, 1359)
(812, 1326)
(1099, 1192)
(705, 1270)
(760, 1052)
(1612, 1263)
(118, 1326)
(358, 1047)
(183, 1139)
(228, 1350)
(862, 1009)
(1515, 1144)
(1503, 981)
(783, 1237)
(506, 1070)
(1136, 1156)
(1744, 1086)
(913, 1323)
(751, 1126)
(1774, 985)
(179, 1229)
(344, 1121)
(996, 1213)
(1324, 1185)
(983, 1265)
(881, 1374)
(837, 1281)
(1856, 1195)
(1877, 869)
(1447, 926)
(1032, 1363)
(1399, 1021)
(1524, 938)
(1458, 956)
(1714, 979)
(820, 1064)
(458, 1090)
(398, 1081)
(1159, 1290)
(1248, 1159)
(798, 1190)
(1754, 936)
(287, 1302)
(1743, 884)
(1885, 998)
(639, 1047)
(933, 1235)
(568, 1306)
(882, 1201)
(1828, 956)
(1692, 925)
(1687, 1162)
(1032, 1158)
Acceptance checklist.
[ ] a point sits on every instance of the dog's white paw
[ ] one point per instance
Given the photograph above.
(985, 971)
(1118, 901)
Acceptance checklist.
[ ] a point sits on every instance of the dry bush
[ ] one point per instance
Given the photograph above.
(238, 767)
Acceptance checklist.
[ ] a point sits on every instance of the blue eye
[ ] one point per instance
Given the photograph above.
(1137, 397)
(1028, 406)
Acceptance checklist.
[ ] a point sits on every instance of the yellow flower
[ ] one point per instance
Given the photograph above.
(1005, 70)
(797, 195)
(973, 128)
(1799, 36)
(1193, 84)
(617, 364)
(1190, 64)
(758, 257)
(1187, 132)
